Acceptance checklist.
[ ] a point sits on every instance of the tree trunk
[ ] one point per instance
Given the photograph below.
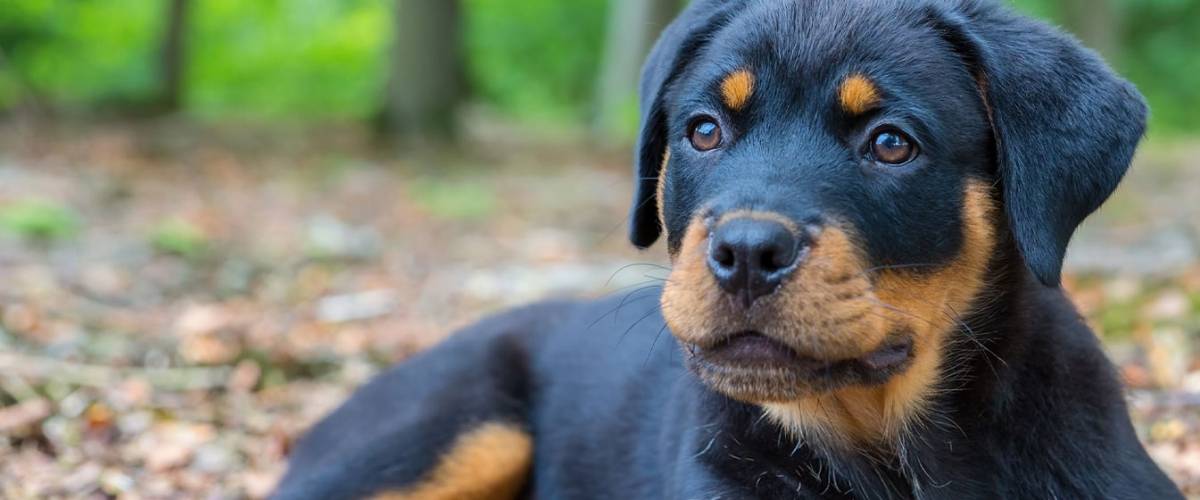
(173, 56)
(1095, 23)
(633, 26)
(426, 83)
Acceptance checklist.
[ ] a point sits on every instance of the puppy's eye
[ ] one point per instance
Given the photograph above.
(893, 147)
(705, 134)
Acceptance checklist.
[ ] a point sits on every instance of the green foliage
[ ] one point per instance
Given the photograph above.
(1159, 52)
(1162, 56)
(179, 237)
(312, 59)
(535, 58)
(280, 59)
(39, 221)
(1039, 8)
(80, 52)
(320, 59)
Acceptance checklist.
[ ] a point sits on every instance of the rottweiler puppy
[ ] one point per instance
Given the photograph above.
(866, 205)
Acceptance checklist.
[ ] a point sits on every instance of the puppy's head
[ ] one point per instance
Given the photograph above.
(835, 178)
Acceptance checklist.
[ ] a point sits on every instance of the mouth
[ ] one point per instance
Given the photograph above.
(752, 366)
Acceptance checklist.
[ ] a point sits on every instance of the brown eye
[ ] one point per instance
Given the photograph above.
(705, 135)
(893, 147)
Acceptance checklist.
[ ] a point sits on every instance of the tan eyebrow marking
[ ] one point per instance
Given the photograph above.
(858, 94)
(737, 88)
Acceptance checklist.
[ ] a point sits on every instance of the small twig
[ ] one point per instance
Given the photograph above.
(178, 379)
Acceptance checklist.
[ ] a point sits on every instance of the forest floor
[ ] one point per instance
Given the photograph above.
(181, 302)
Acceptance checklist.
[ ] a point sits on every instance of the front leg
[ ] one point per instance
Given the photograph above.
(448, 424)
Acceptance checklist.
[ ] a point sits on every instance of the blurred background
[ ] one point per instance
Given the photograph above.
(217, 217)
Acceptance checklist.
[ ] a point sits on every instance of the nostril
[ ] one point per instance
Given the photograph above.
(724, 256)
(781, 256)
(769, 262)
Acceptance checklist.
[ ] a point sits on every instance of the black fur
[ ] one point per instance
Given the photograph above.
(1031, 409)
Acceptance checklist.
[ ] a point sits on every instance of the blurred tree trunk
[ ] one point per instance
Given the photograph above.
(173, 56)
(426, 84)
(633, 26)
(1095, 23)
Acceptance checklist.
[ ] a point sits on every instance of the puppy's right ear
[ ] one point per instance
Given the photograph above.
(670, 56)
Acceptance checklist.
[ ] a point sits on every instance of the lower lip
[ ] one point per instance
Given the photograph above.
(751, 348)
(755, 349)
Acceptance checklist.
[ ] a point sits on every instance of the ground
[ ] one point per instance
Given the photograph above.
(182, 301)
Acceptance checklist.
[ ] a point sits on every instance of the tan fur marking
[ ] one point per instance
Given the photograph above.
(811, 302)
(858, 95)
(490, 462)
(759, 215)
(691, 287)
(660, 191)
(928, 304)
(737, 88)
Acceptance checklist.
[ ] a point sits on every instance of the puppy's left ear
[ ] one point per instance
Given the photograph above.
(1065, 125)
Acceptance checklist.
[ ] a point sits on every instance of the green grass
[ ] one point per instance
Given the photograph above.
(39, 221)
(179, 237)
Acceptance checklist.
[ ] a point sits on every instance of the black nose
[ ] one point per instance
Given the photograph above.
(751, 257)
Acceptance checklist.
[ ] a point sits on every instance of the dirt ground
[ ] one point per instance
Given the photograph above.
(181, 302)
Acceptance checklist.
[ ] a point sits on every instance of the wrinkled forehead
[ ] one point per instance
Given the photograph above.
(806, 49)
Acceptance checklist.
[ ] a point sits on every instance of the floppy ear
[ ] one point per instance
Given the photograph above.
(670, 55)
(1065, 125)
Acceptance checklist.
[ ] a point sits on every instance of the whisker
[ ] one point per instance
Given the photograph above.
(635, 323)
(654, 343)
(627, 296)
(896, 309)
(972, 336)
(640, 284)
(624, 300)
(627, 266)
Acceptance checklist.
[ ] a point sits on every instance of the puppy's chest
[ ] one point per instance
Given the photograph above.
(745, 467)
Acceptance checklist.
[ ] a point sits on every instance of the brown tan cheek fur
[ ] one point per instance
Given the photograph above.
(927, 304)
(691, 294)
(824, 310)
(491, 461)
(829, 310)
